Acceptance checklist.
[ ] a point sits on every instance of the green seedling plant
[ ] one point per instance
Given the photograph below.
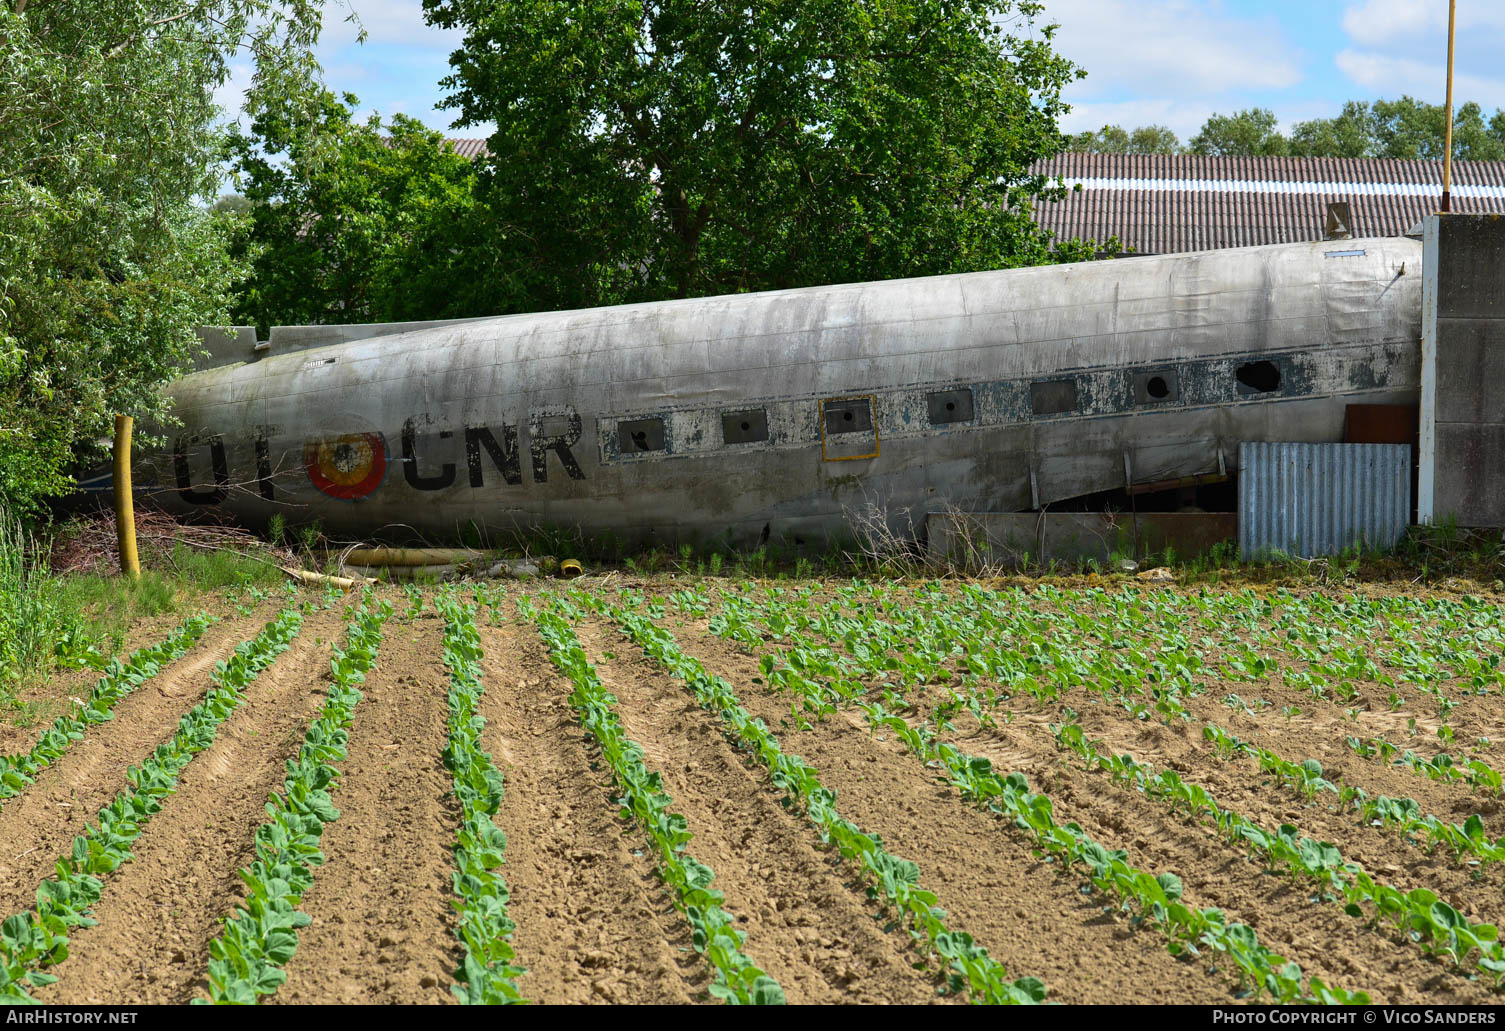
(893, 881)
(261, 936)
(488, 974)
(1439, 928)
(119, 680)
(1157, 897)
(34, 941)
(737, 979)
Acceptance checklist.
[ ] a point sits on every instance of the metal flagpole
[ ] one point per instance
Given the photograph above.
(1447, 142)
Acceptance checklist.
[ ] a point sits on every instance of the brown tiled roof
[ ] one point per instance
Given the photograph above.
(1167, 203)
(470, 149)
(1159, 204)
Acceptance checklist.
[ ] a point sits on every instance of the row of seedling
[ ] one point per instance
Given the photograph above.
(893, 881)
(36, 940)
(246, 960)
(119, 679)
(487, 974)
(1420, 913)
(737, 979)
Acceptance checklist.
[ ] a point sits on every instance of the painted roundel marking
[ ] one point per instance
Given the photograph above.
(347, 467)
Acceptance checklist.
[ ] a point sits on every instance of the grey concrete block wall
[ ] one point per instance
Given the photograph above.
(1462, 474)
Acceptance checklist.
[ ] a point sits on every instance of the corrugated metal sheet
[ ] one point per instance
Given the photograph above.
(471, 148)
(1318, 499)
(1380, 171)
(1172, 203)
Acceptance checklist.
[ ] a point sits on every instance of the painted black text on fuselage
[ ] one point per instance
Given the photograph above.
(351, 466)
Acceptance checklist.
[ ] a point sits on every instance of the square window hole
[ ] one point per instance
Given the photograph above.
(638, 435)
(950, 406)
(744, 427)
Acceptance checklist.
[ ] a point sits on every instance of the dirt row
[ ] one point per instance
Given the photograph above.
(1318, 731)
(159, 911)
(1282, 910)
(1478, 721)
(593, 922)
(1033, 921)
(39, 824)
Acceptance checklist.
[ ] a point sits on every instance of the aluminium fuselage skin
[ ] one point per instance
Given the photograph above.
(778, 415)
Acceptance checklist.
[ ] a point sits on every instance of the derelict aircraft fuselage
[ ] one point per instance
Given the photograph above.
(777, 415)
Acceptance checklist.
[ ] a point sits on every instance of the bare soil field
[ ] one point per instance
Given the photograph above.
(649, 792)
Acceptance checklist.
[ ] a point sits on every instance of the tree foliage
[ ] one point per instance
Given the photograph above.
(108, 143)
(1244, 133)
(356, 221)
(1115, 139)
(670, 148)
(1407, 129)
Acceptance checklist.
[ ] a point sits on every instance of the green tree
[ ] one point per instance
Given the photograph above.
(357, 221)
(1408, 129)
(108, 259)
(1110, 139)
(670, 148)
(1412, 129)
(1242, 134)
(1350, 135)
(1115, 139)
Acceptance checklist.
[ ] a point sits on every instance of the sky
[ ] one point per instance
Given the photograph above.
(1167, 62)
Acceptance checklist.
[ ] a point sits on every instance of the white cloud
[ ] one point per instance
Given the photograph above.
(1378, 22)
(231, 93)
(1176, 47)
(1400, 47)
(1390, 76)
(399, 22)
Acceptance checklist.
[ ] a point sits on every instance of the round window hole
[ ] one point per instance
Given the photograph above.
(1157, 388)
(746, 426)
(848, 416)
(950, 406)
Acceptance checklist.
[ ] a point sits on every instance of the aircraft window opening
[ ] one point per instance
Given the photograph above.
(747, 427)
(947, 406)
(639, 435)
(849, 415)
(1052, 397)
(1157, 386)
(1258, 378)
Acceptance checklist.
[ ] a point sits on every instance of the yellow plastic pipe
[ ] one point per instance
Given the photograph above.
(410, 556)
(125, 511)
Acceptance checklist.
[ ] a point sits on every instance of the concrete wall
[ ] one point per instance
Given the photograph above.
(1462, 473)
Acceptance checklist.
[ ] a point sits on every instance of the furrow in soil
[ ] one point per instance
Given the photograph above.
(159, 911)
(594, 925)
(382, 929)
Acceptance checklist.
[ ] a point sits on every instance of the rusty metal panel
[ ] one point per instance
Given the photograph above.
(1319, 499)
(1380, 424)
